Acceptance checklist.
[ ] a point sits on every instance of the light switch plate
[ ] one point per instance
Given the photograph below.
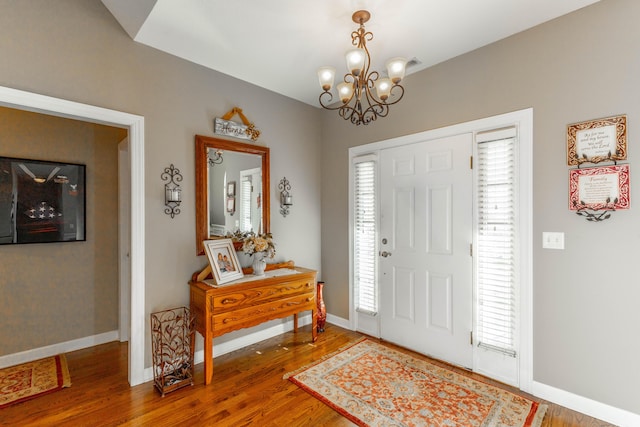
(552, 240)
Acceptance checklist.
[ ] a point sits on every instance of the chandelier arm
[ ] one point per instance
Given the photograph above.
(327, 106)
(374, 111)
(401, 88)
(349, 113)
(370, 84)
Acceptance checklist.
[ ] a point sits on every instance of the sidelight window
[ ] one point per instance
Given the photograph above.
(364, 235)
(496, 227)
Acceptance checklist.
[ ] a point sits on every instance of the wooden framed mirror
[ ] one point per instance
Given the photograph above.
(230, 173)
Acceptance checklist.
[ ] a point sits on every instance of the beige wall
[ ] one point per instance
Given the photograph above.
(58, 292)
(582, 66)
(75, 49)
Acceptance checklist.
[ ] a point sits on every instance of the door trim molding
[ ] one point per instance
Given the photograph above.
(22, 100)
(523, 119)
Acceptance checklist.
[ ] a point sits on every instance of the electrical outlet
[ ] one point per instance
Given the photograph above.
(552, 240)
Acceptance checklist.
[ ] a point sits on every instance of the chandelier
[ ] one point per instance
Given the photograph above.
(360, 104)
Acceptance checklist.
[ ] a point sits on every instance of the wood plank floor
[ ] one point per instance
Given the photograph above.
(247, 389)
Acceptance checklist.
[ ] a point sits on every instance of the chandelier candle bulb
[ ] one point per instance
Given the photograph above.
(345, 90)
(396, 68)
(326, 76)
(383, 88)
(355, 61)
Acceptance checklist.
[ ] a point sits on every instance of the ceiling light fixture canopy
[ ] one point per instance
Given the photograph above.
(359, 103)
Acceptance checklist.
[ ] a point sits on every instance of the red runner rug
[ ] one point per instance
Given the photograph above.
(22, 382)
(373, 385)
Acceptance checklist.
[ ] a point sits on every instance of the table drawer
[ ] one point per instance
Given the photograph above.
(256, 296)
(256, 314)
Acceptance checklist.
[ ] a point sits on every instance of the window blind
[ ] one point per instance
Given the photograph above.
(364, 236)
(245, 203)
(496, 240)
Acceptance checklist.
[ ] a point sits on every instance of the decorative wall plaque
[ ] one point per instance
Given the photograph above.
(597, 141)
(599, 188)
(224, 126)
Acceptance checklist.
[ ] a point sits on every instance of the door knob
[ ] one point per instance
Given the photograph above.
(385, 254)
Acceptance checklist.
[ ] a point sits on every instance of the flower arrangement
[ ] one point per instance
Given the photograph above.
(259, 243)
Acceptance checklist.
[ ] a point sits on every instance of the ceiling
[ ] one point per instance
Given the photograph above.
(279, 44)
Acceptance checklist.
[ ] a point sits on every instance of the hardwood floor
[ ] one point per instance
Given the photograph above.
(247, 389)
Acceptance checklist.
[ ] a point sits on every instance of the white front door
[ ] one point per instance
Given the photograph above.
(425, 280)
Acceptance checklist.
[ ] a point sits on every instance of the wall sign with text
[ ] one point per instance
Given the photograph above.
(605, 187)
(596, 141)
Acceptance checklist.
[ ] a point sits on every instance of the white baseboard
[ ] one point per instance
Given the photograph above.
(339, 321)
(52, 350)
(604, 412)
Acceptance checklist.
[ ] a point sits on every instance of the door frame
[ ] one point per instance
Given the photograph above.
(29, 101)
(124, 237)
(523, 120)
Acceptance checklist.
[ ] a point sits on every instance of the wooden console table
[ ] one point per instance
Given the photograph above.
(250, 301)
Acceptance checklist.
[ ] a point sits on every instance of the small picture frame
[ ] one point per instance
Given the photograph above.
(231, 188)
(223, 260)
(231, 205)
(596, 141)
(604, 187)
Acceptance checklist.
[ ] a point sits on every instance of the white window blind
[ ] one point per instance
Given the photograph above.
(245, 203)
(364, 238)
(496, 240)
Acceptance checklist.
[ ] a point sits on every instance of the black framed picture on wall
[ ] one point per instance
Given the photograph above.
(41, 201)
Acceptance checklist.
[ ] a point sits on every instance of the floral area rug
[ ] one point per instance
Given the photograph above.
(373, 385)
(22, 382)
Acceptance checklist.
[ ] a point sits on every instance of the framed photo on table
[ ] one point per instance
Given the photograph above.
(223, 260)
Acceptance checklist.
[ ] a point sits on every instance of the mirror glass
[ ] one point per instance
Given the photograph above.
(232, 188)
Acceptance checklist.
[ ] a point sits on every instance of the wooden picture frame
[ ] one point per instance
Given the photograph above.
(231, 188)
(223, 260)
(596, 141)
(231, 205)
(604, 187)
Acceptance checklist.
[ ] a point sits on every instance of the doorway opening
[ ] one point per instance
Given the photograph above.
(29, 101)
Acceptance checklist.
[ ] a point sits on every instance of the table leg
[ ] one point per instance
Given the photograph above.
(314, 325)
(208, 359)
(295, 322)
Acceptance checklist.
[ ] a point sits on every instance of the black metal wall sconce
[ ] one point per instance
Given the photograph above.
(286, 199)
(172, 190)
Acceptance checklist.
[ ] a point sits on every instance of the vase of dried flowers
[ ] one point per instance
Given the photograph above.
(260, 246)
